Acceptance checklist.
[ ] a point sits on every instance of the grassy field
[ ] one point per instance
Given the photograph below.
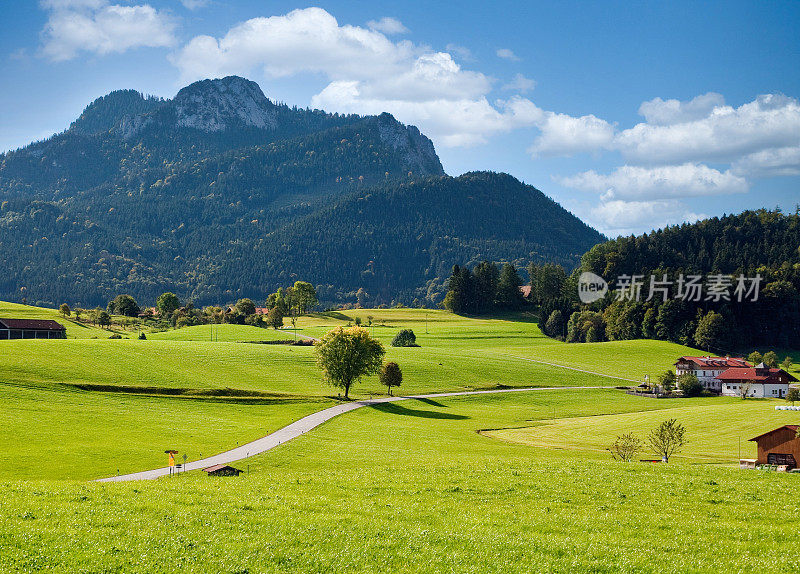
(75, 330)
(414, 488)
(491, 483)
(717, 431)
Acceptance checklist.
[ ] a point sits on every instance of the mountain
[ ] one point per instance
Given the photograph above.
(219, 193)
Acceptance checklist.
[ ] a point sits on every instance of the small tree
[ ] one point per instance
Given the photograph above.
(357, 321)
(667, 380)
(275, 317)
(246, 307)
(771, 359)
(625, 447)
(65, 310)
(103, 319)
(78, 311)
(369, 323)
(793, 395)
(405, 338)
(142, 336)
(689, 384)
(167, 303)
(787, 363)
(391, 376)
(744, 388)
(755, 357)
(346, 355)
(667, 439)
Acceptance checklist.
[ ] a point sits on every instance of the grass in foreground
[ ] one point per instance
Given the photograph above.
(416, 489)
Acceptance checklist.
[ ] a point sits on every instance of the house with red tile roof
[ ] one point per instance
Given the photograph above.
(759, 382)
(706, 369)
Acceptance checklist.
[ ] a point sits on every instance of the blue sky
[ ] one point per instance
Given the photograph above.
(631, 115)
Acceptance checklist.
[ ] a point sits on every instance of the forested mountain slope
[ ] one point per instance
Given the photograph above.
(220, 193)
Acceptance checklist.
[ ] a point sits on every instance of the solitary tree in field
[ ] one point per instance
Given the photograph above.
(103, 319)
(787, 363)
(625, 447)
(793, 395)
(346, 355)
(667, 439)
(123, 305)
(391, 376)
(65, 310)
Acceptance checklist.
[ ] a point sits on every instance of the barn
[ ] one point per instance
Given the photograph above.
(779, 447)
(31, 329)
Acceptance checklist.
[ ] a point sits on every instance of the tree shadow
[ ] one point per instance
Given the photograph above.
(430, 402)
(395, 409)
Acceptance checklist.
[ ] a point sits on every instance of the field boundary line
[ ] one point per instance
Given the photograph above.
(305, 424)
(571, 368)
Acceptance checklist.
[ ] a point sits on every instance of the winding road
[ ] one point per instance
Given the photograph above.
(302, 426)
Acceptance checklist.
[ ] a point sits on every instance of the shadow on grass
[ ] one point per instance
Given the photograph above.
(431, 402)
(395, 409)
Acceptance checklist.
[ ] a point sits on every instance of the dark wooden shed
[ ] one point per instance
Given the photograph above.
(31, 329)
(222, 470)
(780, 446)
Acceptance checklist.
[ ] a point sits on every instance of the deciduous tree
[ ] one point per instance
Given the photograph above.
(391, 376)
(346, 355)
(667, 439)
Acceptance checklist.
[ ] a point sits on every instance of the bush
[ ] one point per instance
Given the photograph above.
(115, 336)
(690, 386)
(142, 336)
(405, 338)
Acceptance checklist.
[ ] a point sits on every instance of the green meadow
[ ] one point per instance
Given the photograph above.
(512, 482)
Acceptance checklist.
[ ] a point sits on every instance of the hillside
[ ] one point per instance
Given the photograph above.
(220, 193)
(763, 243)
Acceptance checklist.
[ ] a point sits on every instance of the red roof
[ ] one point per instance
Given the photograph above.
(792, 428)
(217, 467)
(756, 375)
(715, 362)
(32, 324)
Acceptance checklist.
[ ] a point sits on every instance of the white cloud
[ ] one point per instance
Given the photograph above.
(769, 162)
(725, 134)
(507, 54)
(617, 217)
(567, 135)
(462, 52)
(520, 84)
(366, 72)
(666, 112)
(671, 181)
(96, 26)
(388, 26)
(194, 4)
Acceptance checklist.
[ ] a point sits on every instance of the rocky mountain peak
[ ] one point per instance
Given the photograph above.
(215, 105)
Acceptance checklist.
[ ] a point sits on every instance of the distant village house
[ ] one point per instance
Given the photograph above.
(707, 369)
(758, 382)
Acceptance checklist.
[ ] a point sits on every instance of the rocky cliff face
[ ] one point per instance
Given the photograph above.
(227, 103)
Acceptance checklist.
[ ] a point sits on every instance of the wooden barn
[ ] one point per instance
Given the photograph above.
(31, 329)
(222, 470)
(780, 447)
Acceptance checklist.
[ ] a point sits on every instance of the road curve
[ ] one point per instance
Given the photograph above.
(302, 426)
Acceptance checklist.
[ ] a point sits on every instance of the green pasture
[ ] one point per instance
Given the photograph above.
(75, 329)
(414, 487)
(717, 430)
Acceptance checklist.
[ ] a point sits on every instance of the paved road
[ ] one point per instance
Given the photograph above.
(302, 426)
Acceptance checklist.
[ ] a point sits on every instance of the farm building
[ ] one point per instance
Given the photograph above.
(706, 369)
(780, 447)
(759, 381)
(31, 329)
(222, 470)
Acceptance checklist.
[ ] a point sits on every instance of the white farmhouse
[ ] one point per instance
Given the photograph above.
(707, 369)
(759, 382)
